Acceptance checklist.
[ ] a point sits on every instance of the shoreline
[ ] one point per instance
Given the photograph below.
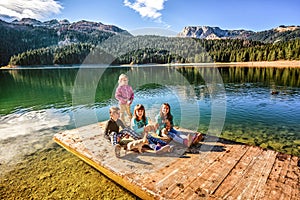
(279, 63)
(283, 63)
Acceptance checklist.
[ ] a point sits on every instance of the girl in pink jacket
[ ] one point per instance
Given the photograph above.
(124, 94)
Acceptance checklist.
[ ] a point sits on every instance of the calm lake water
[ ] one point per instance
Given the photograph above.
(254, 105)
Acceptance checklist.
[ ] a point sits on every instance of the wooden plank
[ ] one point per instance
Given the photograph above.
(240, 178)
(258, 193)
(294, 177)
(283, 182)
(238, 172)
(254, 176)
(214, 175)
(272, 188)
(187, 172)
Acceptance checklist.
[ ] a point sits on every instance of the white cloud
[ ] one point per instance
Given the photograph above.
(147, 8)
(37, 9)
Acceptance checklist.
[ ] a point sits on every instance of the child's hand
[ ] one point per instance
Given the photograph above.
(152, 128)
(148, 128)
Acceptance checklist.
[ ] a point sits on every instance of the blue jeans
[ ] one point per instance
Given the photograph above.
(153, 142)
(173, 133)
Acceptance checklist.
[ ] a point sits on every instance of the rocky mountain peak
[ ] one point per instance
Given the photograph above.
(283, 28)
(89, 26)
(207, 32)
(27, 21)
(64, 25)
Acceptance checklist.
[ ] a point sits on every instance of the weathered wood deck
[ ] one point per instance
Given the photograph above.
(214, 169)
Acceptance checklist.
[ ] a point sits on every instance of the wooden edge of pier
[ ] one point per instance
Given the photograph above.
(119, 180)
(213, 169)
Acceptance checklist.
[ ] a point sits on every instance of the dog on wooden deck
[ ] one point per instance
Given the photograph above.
(137, 144)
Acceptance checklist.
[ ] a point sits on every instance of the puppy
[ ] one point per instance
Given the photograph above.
(165, 130)
(137, 144)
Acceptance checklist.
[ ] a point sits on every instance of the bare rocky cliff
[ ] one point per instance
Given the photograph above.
(281, 33)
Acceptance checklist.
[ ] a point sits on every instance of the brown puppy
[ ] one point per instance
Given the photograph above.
(165, 130)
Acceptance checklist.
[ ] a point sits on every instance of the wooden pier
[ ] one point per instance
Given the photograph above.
(213, 169)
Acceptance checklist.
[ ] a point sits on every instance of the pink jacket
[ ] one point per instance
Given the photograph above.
(124, 93)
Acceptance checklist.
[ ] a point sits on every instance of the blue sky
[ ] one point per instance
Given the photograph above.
(174, 15)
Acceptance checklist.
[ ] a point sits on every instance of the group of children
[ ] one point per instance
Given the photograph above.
(139, 124)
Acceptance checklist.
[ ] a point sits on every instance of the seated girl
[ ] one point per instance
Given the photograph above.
(140, 125)
(164, 122)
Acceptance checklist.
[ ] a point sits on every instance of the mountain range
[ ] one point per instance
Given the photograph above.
(64, 25)
(21, 35)
(281, 33)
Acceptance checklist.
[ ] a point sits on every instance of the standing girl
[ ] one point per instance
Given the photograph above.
(124, 94)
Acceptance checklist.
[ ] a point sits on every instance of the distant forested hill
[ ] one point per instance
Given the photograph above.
(157, 49)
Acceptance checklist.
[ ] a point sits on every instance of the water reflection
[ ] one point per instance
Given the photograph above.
(288, 77)
(254, 115)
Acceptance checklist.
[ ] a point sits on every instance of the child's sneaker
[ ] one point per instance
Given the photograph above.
(118, 150)
(197, 138)
(164, 149)
(157, 147)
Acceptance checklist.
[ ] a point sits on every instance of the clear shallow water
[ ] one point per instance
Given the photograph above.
(41, 102)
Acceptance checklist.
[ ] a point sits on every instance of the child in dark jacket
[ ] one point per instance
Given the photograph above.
(112, 133)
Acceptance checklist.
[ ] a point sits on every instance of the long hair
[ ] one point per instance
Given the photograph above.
(169, 115)
(139, 107)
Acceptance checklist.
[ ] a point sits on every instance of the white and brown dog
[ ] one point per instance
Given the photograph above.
(137, 144)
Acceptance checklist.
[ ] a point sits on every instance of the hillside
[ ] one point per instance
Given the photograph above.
(26, 34)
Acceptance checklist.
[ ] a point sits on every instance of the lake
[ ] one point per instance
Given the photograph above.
(254, 105)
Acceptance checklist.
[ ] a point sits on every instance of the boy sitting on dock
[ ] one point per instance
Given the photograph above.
(112, 133)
